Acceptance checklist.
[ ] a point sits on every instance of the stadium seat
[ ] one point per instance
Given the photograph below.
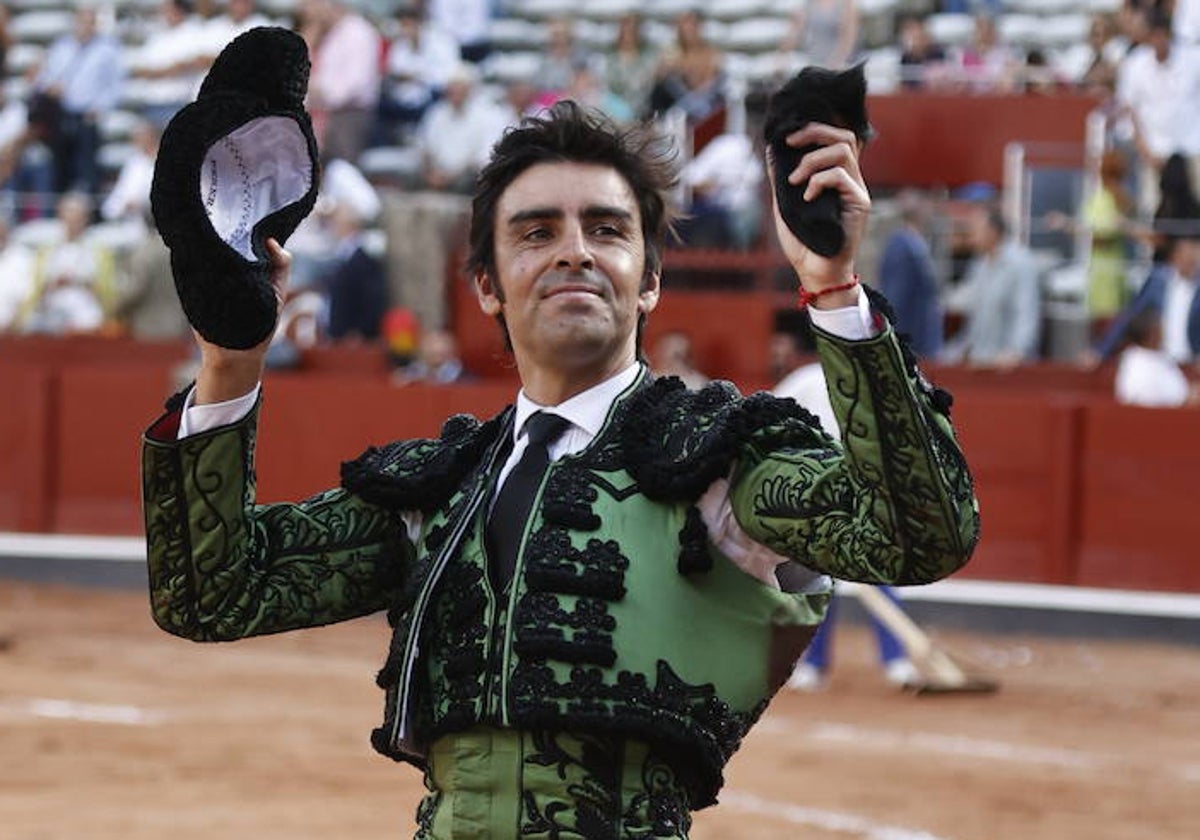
(517, 34)
(512, 66)
(544, 9)
(755, 35)
(40, 26)
(733, 10)
(23, 56)
(1063, 30)
(1019, 30)
(384, 164)
(118, 125)
(950, 29)
(606, 10)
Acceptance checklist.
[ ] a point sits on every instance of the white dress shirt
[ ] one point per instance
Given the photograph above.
(1150, 378)
(587, 412)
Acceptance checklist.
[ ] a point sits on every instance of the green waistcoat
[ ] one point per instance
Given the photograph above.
(623, 618)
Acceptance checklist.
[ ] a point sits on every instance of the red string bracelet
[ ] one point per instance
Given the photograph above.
(807, 297)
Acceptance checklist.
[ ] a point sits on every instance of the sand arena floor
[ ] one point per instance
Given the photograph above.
(112, 730)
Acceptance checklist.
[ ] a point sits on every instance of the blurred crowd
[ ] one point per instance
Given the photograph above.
(410, 97)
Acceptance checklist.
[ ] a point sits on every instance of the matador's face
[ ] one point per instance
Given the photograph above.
(570, 267)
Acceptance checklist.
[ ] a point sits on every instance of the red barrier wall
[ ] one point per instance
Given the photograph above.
(1024, 451)
(101, 413)
(1073, 488)
(26, 447)
(1137, 503)
(310, 426)
(931, 139)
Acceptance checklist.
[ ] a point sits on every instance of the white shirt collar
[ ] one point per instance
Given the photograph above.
(587, 409)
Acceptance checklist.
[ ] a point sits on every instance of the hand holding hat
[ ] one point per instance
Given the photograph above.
(236, 168)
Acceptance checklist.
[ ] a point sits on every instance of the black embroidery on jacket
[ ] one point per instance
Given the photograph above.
(694, 555)
(677, 442)
(687, 723)
(422, 474)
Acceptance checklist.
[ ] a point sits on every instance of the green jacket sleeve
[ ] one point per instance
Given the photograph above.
(894, 504)
(222, 567)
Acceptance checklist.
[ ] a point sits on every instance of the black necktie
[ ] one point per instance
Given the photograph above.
(511, 510)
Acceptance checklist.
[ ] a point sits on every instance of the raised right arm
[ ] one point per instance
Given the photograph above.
(222, 567)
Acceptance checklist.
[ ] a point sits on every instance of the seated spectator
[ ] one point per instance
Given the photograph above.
(1147, 375)
(355, 285)
(629, 67)
(588, 89)
(725, 179)
(468, 22)
(83, 73)
(671, 355)
(343, 88)
(74, 279)
(1170, 290)
(985, 65)
(1000, 298)
(420, 60)
(1038, 77)
(1093, 64)
(520, 100)
(129, 199)
(1159, 82)
(457, 134)
(563, 56)
(313, 243)
(239, 16)
(908, 280)
(170, 63)
(825, 32)
(16, 278)
(922, 60)
(147, 305)
(437, 361)
(689, 75)
(26, 165)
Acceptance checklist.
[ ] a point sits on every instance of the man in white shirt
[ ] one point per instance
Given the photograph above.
(1160, 84)
(456, 134)
(421, 59)
(1148, 376)
(170, 64)
(343, 90)
(84, 72)
(599, 590)
(467, 22)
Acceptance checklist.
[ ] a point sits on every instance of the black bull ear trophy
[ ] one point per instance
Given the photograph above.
(235, 168)
(814, 95)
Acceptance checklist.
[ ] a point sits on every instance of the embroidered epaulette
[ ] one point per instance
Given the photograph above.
(422, 474)
(677, 441)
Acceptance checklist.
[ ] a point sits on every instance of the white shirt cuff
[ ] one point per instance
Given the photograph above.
(853, 323)
(201, 418)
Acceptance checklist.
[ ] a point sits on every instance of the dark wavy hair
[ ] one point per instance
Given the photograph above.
(569, 133)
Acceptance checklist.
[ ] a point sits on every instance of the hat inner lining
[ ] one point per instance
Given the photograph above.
(250, 173)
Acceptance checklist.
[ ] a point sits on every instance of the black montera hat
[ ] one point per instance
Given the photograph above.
(814, 95)
(235, 168)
